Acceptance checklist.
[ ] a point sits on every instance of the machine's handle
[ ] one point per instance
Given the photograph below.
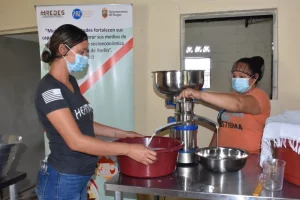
(206, 120)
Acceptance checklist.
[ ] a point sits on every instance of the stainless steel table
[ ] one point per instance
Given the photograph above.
(10, 180)
(197, 183)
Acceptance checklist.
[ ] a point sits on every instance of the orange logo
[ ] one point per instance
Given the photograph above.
(104, 12)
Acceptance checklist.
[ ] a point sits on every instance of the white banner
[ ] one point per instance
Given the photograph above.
(108, 81)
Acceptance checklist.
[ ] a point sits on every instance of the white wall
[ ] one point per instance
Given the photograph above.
(230, 41)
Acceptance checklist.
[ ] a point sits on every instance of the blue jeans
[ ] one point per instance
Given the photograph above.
(53, 185)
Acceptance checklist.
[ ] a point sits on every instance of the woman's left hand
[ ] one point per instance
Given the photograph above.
(127, 134)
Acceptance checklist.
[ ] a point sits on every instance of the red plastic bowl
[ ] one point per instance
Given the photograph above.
(166, 157)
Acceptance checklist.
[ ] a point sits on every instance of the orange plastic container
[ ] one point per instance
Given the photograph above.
(292, 159)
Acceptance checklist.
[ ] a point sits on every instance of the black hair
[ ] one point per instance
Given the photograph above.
(66, 34)
(255, 66)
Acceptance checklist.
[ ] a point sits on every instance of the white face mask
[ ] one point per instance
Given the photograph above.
(79, 64)
(241, 85)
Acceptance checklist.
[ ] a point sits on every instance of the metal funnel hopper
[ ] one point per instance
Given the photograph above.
(172, 82)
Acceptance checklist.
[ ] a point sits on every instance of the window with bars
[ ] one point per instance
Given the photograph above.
(200, 64)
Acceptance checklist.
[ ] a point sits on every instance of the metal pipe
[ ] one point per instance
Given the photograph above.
(13, 195)
(206, 120)
(118, 195)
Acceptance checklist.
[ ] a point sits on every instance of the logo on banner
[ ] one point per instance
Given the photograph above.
(52, 13)
(77, 13)
(104, 12)
(113, 13)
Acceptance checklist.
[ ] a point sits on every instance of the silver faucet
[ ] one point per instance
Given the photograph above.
(169, 125)
(205, 120)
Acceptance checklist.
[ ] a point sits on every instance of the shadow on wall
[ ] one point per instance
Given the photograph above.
(20, 73)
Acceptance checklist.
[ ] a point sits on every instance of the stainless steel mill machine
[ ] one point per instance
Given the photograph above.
(183, 124)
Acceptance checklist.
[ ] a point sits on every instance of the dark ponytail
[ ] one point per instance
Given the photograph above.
(257, 66)
(46, 54)
(67, 34)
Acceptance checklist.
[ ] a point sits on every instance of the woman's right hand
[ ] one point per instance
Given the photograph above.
(190, 93)
(142, 154)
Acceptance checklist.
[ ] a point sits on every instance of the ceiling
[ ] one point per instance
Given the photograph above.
(25, 36)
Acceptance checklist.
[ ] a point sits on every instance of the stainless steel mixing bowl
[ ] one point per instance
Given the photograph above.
(222, 159)
(174, 81)
(8, 149)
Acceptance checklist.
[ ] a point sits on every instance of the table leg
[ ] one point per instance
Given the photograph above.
(156, 197)
(13, 195)
(118, 195)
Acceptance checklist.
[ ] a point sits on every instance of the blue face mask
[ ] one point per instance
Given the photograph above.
(79, 64)
(241, 85)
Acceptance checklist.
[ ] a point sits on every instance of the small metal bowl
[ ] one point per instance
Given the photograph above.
(222, 159)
